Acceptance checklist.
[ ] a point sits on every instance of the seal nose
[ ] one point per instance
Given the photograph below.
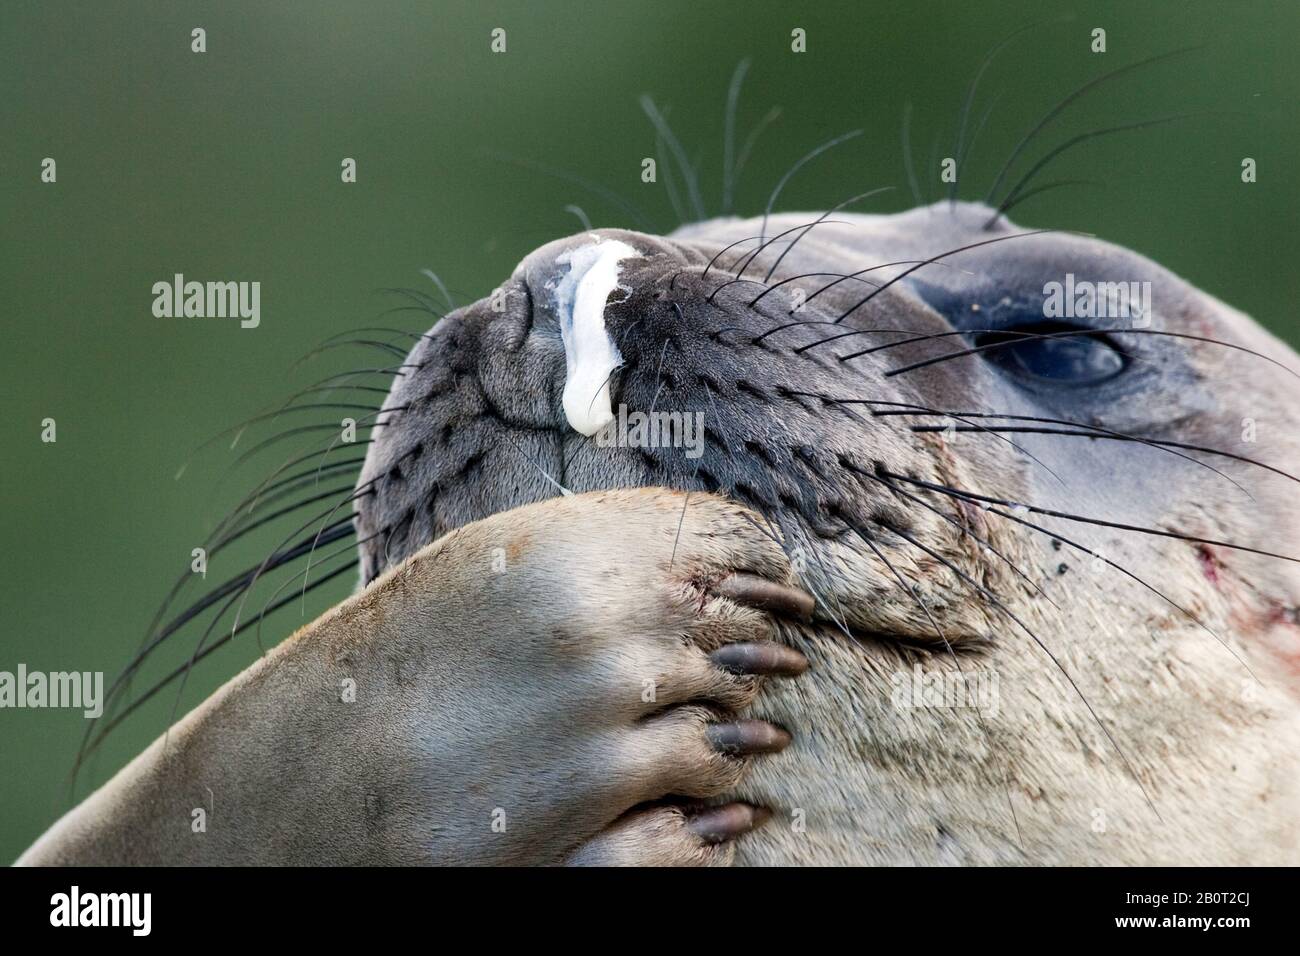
(574, 280)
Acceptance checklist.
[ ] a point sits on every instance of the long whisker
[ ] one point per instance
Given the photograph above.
(422, 300)
(239, 429)
(961, 146)
(964, 531)
(1014, 192)
(250, 502)
(232, 588)
(1119, 526)
(246, 529)
(840, 277)
(997, 603)
(991, 346)
(1006, 207)
(198, 648)
(91, 745)
(350, 343)
(670, 181)
(725, 249)
(993, 432)
(836, 208)
(799, 164)
(1094, 431)
(1098, 434)
(325, 535)
(1129, 574)
(910, 588)
(344, 376)
(909, 165)
(749, 260)
(951, 252)
(1061, 106)
(238, 583)
(360, 492)
(388, 329)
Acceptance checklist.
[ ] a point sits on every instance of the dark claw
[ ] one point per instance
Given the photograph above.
(720, 824)
(766, 595)
(744, 737)
(760, 657)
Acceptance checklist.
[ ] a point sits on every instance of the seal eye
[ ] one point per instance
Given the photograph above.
(1053, 353)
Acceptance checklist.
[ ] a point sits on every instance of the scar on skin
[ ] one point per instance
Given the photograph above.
(1210, 564)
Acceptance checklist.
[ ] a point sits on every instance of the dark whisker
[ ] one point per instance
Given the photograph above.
(367, 421)
(961, 147)
(799, 164)
(284, 436)
(952, 252)
(89, 745)
(725, 249)
(990, 346)
(993, 432)
(1053, 535)
(777, 238)
(263, 520)
(231, 588)
(1024, 180)
(1061, 106)
(251, 502)
(1119, 526)
(1157, 443)
(266, 609)
(349, 343)
(1006, 207)
(421, 299)
(910, 588)
(836, 208)
(243, 426)
(964, 531)
(388, 329)
(1097, 433)
(1011, 615)
(854, 276)
(240, 582)
(712, 295)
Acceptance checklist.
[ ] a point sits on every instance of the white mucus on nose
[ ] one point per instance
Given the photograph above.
(590, 355)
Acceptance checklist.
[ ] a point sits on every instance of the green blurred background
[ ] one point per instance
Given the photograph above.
(225, 166)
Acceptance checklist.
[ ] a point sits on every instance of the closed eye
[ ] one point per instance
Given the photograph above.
(1053, 353)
